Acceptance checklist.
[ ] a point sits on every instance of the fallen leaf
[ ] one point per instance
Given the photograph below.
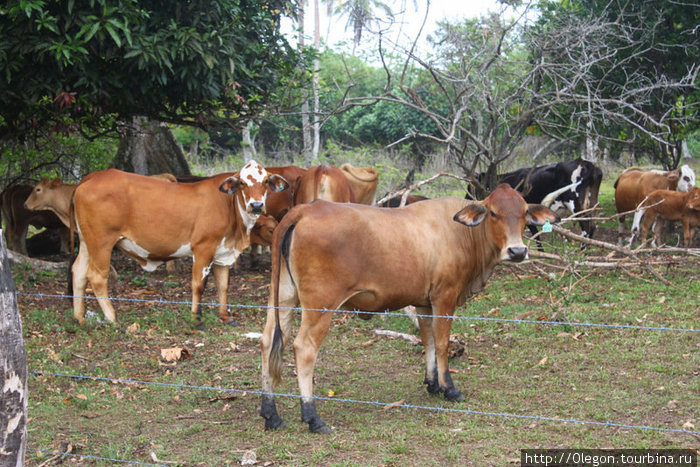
(688, 425)
(662, 299)
(331, 393)
(133, 329)
(394, 404)
(81, 396)
(174, 354)
(543, 361)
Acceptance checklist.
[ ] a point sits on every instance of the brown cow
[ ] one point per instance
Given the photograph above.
(154, 221)
(52, 195)
(671, 206)
(18, 219)
(363, 182)
(323, 182)
(279, 203)
(328, 256)
(633, 185)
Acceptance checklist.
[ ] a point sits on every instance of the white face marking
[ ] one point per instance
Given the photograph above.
(248, 219)
(225, 256)
(687, 180)
(252, 173)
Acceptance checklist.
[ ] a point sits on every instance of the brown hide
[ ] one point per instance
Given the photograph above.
(279, 203)
(675, 207)
(633, 185)
(396, 201)
(433, 255)
(52, 195)
(18, 219)
(154, 220)
(323, 182)
(363, 182)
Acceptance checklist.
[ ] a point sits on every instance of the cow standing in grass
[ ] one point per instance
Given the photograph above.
(433, 255)
(154, 221)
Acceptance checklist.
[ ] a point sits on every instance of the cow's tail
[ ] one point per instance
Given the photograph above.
(71, 230)
(281, 248)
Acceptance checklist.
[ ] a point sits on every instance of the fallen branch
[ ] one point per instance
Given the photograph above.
(404, 192)
(18, 258)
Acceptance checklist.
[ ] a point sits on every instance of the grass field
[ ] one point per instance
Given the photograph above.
(623, 376)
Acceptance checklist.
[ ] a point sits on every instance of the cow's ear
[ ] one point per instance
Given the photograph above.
(56, 182)
(230, 185)
(674, 176)
(471, 216)
(277, 183)
(538, 215)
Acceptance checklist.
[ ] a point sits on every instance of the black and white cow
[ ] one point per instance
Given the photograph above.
(572, 185)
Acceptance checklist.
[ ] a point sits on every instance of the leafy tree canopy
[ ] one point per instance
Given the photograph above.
(71, 62)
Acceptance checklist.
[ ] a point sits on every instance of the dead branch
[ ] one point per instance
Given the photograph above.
(18, 258)
(404, 192)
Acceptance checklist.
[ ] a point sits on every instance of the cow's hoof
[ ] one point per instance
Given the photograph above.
(274, 423)
(432, 386)
(233, 323)
(201, 327)
(319, 427)
(453, 395)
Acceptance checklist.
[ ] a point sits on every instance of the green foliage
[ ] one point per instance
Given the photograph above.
(185, 61)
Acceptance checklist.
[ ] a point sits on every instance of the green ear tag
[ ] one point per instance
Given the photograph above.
(547, 227)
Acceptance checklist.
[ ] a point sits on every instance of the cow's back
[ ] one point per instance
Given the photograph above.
(633, 185)
(323, 182)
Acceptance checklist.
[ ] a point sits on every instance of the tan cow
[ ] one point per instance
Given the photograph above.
(52, 195)
(18, 219)
(323, 182)
(433, 254)
(671, 206)
(154, 221)
(363, 182)
(633, 185)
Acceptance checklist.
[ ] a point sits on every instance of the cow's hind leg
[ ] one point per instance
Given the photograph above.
(97, 273)
(313, 330)
(79, 280)
(425, 324)
(288, 300)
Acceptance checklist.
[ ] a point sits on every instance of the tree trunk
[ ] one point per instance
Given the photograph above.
(13, 362)
(149, 148)
(305, 124)
(314, 84)
(249, 152)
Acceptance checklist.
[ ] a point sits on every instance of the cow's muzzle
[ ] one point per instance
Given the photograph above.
(256, 207)
(517, 254)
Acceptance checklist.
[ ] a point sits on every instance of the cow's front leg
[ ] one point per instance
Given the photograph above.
(221, 276)
(442, 323)
(314, 327)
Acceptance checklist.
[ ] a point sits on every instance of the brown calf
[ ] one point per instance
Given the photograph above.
(671, 206)
(18, 219)
(153, 221)
(434, 255)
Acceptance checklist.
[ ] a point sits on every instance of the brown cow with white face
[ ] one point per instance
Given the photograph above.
(154, 221)
(633, 185)
(433, 255)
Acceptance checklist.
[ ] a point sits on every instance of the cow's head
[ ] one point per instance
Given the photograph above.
(250, 190)
(504, 214)
(694, 199)
(40, 195)
(686, 179)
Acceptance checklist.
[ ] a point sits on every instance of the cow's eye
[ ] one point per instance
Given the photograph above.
(493, 214)
(686, 178)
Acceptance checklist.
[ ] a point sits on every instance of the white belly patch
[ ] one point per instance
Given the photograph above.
(133, 249)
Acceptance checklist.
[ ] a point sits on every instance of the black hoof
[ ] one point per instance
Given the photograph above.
(319, 427)
(433, 386)
(200, 327)
(233, 323)
(453, 394)
(274, 423)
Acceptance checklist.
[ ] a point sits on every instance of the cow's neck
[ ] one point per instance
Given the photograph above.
(483, 256)
(62, 209)
(243, 223)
